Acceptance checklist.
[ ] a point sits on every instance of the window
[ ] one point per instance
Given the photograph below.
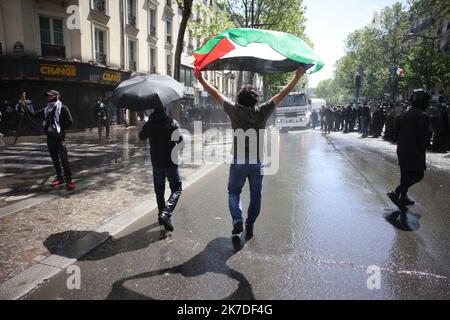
(169, 65)
(152, 22)
(99, 5)
(190, 46)
(169, 31)
(132, 55)
(187, 76)
(152, 60)
(100, 48)
(52, 37)
(169, 3)
(131, 9)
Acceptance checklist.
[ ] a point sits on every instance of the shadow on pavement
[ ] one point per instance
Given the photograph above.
(75, 244)
(405, 221)
(213, 259)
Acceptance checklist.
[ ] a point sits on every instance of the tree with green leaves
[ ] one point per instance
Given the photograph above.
(216, 20)
(278, 15)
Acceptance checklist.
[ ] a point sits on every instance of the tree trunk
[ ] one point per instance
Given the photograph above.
(187, 10)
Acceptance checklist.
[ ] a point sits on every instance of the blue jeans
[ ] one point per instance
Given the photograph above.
(365, 129)
(159, 179)
(238, 176)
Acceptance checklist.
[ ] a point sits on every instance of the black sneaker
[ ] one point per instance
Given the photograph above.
(395, 198)
(238, 229)
(406, 201)
(165, 221)
(248, 231)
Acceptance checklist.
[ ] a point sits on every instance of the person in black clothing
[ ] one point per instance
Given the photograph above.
(322, 118)
(57, 119)
(366, 119)
(412, 135)
(441, 129)
(159, 130)
(314, 119)
(390, 123)
(101, 118)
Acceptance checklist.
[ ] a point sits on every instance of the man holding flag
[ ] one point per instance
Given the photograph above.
(247, 115)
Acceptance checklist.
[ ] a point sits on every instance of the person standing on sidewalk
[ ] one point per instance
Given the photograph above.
(158, 130)
(412, 132)
(245, 115)
(101, 118)
(57, 119)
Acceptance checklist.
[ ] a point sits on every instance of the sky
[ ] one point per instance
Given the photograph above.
(331, 21)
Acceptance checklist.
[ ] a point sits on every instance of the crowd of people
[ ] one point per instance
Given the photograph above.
(380, 119)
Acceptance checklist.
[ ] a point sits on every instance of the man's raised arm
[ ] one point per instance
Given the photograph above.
(210, 89)
(283, 93)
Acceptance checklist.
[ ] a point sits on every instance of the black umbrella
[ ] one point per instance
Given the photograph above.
(147, 92)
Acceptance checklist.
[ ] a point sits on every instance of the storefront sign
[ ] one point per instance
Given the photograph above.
(58, 70)
(18, 69)
(114, 77)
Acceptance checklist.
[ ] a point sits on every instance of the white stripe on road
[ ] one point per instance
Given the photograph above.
(25, 166)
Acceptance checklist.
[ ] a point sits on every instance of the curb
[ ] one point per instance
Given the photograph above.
(33, 277)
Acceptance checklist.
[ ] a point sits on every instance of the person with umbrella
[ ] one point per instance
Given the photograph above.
(247, 115)
(159, 130)
(156, 92)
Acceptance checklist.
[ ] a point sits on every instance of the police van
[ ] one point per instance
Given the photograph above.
(294, 112)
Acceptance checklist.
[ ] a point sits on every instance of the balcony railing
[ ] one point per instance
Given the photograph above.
(132, 65)
(153, 30)
(100, 5)
(153, 70)
(169, 39)
(100, 58)
(53, 51)
(132, 20)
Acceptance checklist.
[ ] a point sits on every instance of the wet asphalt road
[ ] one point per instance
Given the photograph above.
(26, 168)
(322, 225)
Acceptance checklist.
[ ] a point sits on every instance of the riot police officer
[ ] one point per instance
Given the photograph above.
(412, 135)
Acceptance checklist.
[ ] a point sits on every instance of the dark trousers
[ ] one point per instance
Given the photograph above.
(102, 124)
(407, 180)
(159, 178)
(58, 153)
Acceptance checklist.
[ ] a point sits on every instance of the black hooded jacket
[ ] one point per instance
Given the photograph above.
(159, 130)
(412, 132)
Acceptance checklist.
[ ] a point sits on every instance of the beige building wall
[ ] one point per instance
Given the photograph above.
(20, 22)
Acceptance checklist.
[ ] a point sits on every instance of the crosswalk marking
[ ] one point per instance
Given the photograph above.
(15, 160)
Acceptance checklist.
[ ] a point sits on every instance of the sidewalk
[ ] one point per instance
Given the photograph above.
(437, 160)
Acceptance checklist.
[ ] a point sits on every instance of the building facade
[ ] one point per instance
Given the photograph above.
(426, 27)
(85, 48)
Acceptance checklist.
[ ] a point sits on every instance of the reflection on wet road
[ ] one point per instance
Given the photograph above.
(323, 226)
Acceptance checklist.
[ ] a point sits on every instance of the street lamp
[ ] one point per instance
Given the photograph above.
(358, 79)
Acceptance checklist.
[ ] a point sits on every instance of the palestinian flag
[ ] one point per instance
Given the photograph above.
(255, 50)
